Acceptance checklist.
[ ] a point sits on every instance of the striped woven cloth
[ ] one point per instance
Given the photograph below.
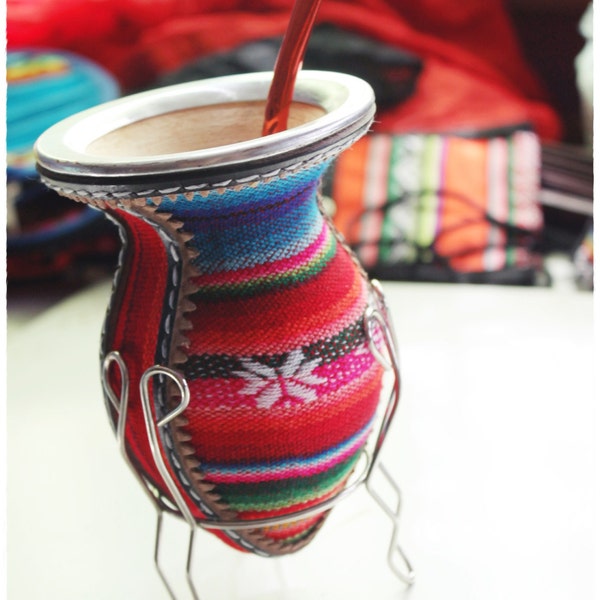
(283, 385)
(442, 207)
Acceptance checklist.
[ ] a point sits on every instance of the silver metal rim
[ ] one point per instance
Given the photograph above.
(60, 151)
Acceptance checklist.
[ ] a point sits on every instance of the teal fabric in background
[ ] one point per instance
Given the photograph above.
(44, 87)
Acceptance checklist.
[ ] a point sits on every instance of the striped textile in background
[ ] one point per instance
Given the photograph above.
(442, 207)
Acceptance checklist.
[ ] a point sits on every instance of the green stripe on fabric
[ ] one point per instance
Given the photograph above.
(273, 495)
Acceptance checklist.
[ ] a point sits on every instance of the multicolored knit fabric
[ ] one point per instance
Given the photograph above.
(262, 311)
(443, 207)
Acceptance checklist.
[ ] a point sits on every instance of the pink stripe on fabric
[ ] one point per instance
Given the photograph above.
(497, 203)
(526, 177)
(224, 393)
(441, 184)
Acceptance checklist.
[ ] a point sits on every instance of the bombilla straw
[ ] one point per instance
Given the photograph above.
(287, 65)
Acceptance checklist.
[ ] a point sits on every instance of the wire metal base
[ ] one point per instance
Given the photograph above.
(376, 318)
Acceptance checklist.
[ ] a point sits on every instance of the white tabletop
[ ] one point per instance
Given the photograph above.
(492, 446)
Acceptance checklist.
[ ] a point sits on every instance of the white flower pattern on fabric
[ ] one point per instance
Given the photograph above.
(295, 378)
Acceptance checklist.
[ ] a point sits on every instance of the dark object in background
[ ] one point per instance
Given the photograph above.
(392, 73)
(56, 237)
(567, 199)
(549, 36)
(567, 195)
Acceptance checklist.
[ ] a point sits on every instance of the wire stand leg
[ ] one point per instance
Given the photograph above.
(404, 571)
(379, 317)
(151, 427)
(120, 405)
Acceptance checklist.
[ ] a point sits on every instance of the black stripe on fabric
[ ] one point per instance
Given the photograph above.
(218, 366)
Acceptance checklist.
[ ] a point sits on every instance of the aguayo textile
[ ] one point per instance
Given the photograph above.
(283, 384)
(441, 207)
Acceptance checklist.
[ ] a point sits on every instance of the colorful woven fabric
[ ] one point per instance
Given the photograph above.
(268, 332)
(44, 87)
(442, 207)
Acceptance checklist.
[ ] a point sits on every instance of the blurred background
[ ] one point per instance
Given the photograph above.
(482, 142)
(476, 179)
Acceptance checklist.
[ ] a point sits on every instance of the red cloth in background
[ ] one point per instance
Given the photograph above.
(474, 76)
